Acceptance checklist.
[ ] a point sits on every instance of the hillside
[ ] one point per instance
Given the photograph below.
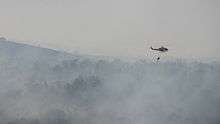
(44, 86)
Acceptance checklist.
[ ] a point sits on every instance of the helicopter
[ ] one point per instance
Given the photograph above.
(159, 51)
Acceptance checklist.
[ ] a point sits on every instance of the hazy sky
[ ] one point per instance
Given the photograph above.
(191, 28)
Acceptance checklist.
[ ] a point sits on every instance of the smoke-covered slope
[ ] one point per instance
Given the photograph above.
(43, 86)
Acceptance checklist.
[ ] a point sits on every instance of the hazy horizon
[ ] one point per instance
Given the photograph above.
(117, 27)
(112, 77)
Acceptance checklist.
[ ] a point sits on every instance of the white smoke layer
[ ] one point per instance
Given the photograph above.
(42, 86)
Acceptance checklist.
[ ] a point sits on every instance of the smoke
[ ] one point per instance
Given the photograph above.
(55, 88)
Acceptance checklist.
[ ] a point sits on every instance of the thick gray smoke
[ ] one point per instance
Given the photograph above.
(42, 86)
